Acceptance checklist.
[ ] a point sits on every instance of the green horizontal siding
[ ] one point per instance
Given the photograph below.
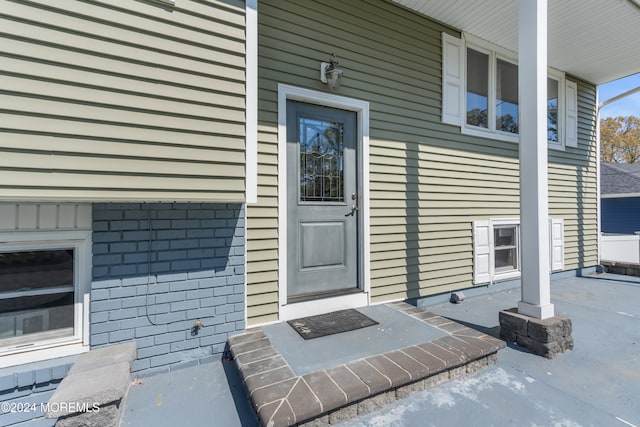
(428, 182)
(121, 100)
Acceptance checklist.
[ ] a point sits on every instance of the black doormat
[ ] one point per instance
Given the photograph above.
(330, 323)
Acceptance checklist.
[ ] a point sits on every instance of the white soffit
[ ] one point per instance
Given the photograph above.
(596, 40)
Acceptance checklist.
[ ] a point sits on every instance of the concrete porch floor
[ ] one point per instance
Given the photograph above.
(595, 384)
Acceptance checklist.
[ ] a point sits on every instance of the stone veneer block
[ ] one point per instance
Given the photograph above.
(547, 338)
(316, 422)
(476, 365)
(376, 402)
(548, 330)
(406, 390)
(546, 349)
(513, 322)
(457, 372)
(343, 414)
(436, 379)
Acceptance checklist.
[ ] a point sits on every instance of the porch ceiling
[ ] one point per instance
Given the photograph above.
(596, 40)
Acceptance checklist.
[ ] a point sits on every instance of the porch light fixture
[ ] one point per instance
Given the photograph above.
(330, 74)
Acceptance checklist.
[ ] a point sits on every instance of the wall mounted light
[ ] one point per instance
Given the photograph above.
(330, 73)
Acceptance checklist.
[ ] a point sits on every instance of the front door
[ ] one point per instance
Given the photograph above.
(322, 202)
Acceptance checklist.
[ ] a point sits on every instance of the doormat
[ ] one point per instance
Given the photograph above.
(331, 323)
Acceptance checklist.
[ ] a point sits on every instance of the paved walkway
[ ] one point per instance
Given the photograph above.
(595, 384)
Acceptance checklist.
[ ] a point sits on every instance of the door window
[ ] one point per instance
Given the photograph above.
(321, 160)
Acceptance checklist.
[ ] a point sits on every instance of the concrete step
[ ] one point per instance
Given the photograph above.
(92, 392)
(330, 396)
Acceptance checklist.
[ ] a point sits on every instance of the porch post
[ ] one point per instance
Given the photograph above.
(534, 201)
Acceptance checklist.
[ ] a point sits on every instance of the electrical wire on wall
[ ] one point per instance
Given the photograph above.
(197, 325)
(150, 239)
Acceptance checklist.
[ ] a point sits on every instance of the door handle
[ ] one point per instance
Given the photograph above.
(354, 209)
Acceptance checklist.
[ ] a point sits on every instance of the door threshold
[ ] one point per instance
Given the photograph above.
(294, 310)
(322, 295)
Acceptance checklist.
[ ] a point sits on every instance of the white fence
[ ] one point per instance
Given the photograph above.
(620, 248)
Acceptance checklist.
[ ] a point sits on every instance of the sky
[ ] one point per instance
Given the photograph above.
(629, 106)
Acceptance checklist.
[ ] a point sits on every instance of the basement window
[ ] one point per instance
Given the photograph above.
(497, 248)
(506, 251)
(42, 286)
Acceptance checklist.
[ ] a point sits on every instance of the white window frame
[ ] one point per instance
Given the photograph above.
(78, 342)
(454, 99)
(504, 222)
(494, 53)
(505, 274)
(560, 78)
(484, 249)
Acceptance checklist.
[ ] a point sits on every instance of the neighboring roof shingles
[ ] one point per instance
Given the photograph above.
(619, 178)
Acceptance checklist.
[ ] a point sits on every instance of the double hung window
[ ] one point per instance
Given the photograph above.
(480, 93)
(491, 92)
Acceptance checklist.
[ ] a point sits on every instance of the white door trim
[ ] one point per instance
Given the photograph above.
(309, 308)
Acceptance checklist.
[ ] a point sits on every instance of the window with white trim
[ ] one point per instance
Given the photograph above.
(43, 281)
(506, 248)
(496, 248)
(480, 93)
(491, 101)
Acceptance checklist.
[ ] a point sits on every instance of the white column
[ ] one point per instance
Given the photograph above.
(534, 200)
